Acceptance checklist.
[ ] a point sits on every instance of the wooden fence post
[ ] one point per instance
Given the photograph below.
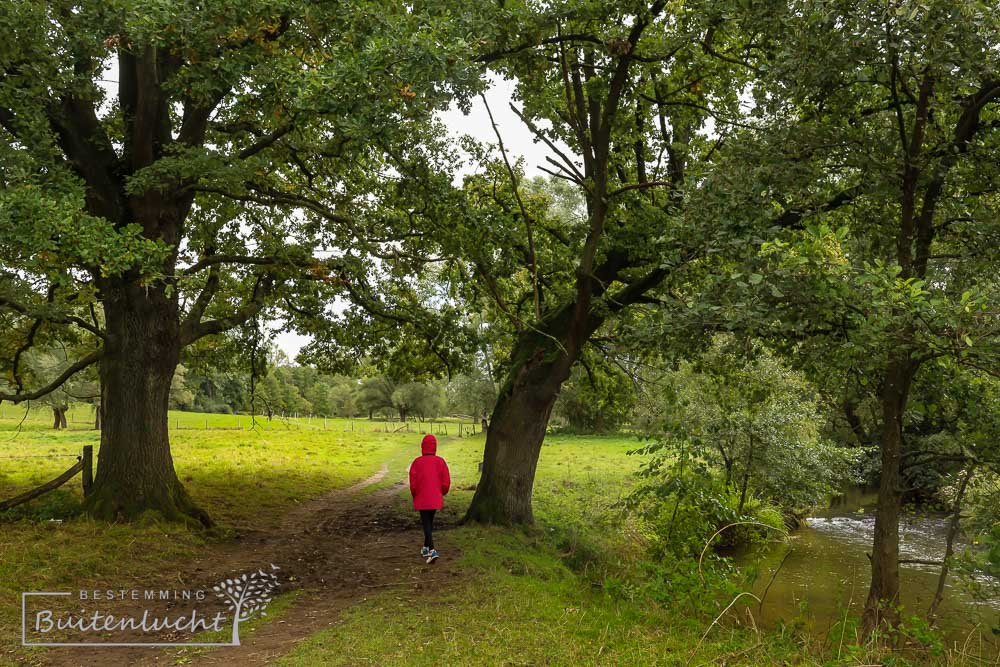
(88, 469)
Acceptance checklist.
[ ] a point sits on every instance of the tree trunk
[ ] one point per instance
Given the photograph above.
(746, 474)
(517, 426)
(727, 463)
(949, 551)
(513, 443)
(56, 417)
(135, 471)
(882, 605)
(97, 416)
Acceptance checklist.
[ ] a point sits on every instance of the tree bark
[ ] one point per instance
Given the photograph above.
(135, 471)
(517, 426)
(882, 605)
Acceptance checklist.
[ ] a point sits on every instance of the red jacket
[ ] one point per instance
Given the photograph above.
(429, 477)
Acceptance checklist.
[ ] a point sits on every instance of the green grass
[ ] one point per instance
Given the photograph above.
(521, 606)
(530, 598)
(278, 463)
(577, 589)
(569, 592)
(244, 479)
(537, 598)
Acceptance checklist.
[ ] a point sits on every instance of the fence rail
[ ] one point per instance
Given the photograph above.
(84, 467)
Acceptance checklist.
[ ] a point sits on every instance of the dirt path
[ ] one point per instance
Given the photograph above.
(335, 551)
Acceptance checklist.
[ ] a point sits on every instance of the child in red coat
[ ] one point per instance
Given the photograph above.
(429, 483)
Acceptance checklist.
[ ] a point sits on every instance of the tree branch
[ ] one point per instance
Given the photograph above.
(524, 212)
(55, 319)
(636, 289)
(558, 39)
(55, 384)
(270, 197)
(194, 330)
(792, 218)
(212, 260)
(265, 142)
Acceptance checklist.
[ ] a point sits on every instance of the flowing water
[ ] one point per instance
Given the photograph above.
(826, 572)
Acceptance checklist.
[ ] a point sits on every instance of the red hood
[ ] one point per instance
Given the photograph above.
(429, 445)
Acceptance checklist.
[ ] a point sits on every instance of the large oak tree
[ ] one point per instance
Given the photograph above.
(624, 97)
(170, 170)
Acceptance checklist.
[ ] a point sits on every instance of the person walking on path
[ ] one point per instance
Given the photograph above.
(429, 483)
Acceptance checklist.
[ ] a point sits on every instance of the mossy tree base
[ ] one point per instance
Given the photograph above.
(172, 503)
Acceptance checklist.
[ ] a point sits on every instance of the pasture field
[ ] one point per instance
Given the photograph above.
(568, 591)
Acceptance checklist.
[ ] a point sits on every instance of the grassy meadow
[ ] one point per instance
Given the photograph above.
(573, 590)
(244, 478)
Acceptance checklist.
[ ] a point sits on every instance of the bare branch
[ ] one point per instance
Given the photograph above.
(641, 186)
(265, 142)
(792, 218)
(212, 260)
(548, 142)
(524, 212)
(55, 384)
(558, 39)
(269, 197)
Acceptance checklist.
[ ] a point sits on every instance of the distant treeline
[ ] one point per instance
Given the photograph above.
(596, 401)
(599, 397)
(303, 390)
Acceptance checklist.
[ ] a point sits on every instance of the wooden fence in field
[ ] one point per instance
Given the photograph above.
(84, 466)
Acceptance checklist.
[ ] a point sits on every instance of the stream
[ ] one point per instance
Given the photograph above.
(828, 571)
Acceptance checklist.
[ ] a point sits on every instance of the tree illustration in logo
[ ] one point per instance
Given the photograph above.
(247, 595)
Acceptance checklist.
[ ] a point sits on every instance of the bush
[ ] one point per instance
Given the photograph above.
(681, 515)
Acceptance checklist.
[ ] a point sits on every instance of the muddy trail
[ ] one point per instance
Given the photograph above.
(334, 551)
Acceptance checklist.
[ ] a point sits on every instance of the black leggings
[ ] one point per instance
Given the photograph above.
(427, 519)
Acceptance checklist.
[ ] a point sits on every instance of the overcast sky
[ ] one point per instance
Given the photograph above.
(517, 139)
